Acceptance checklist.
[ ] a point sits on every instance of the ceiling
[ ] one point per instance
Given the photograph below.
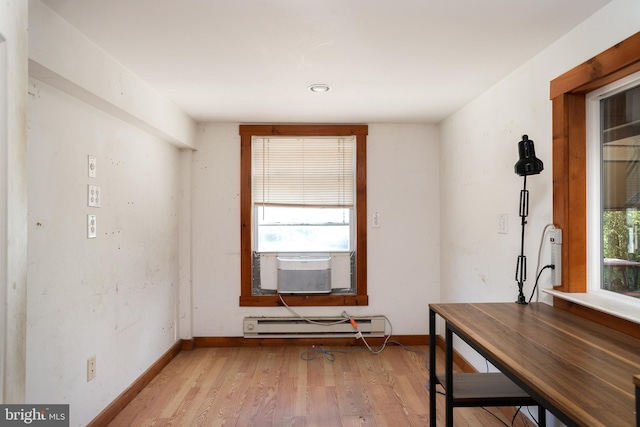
(400, 61)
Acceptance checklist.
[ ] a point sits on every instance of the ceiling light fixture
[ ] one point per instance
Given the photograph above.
(319, 88)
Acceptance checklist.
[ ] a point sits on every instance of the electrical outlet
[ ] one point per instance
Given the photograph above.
(93, 196)
(376, 219)
(92, 230)
(555, 237)
(503, 224)
(91, 368)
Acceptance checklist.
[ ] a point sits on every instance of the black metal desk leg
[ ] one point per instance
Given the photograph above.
(449, 376)
(542, 416)
(432, 368)
(637, 404)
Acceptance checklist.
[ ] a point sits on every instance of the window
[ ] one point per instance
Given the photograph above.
(613, 182)
(303, 193)
(568, 95)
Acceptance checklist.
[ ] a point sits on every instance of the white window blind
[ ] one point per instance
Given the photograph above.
(310, 171)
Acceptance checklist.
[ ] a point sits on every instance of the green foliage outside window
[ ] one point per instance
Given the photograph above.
(620, 243)
(616, 234)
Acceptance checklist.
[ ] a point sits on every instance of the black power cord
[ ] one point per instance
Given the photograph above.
(551, 266)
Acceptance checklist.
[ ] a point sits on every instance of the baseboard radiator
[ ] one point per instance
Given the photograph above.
(295, 327)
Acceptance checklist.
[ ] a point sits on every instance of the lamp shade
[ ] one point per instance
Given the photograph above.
(528, 164)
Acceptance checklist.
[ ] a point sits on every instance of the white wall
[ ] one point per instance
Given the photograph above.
(13, 199)
(478, 152)
(403, 255)
(115, 296)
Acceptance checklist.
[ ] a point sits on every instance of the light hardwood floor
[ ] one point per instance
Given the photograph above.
(275, 386)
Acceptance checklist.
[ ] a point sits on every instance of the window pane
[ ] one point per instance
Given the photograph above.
(283, 229)
(620, 138)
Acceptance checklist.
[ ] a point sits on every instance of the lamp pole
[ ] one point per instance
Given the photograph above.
(521, 266)
(528, 164)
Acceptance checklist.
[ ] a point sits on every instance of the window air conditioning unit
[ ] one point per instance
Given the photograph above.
(304, 275)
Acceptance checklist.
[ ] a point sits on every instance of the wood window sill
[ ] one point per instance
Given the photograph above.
(304, 300)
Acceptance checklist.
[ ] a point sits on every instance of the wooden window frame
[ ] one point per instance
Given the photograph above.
(246, 214)
(568, 95)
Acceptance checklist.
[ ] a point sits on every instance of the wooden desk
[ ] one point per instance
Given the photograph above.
(580, 371)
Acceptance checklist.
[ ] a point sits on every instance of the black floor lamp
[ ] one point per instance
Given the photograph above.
(528, 164)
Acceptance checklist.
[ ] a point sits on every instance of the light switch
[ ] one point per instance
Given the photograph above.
(92, 166)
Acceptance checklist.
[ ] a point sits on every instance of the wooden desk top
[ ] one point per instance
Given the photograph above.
(582, 369)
